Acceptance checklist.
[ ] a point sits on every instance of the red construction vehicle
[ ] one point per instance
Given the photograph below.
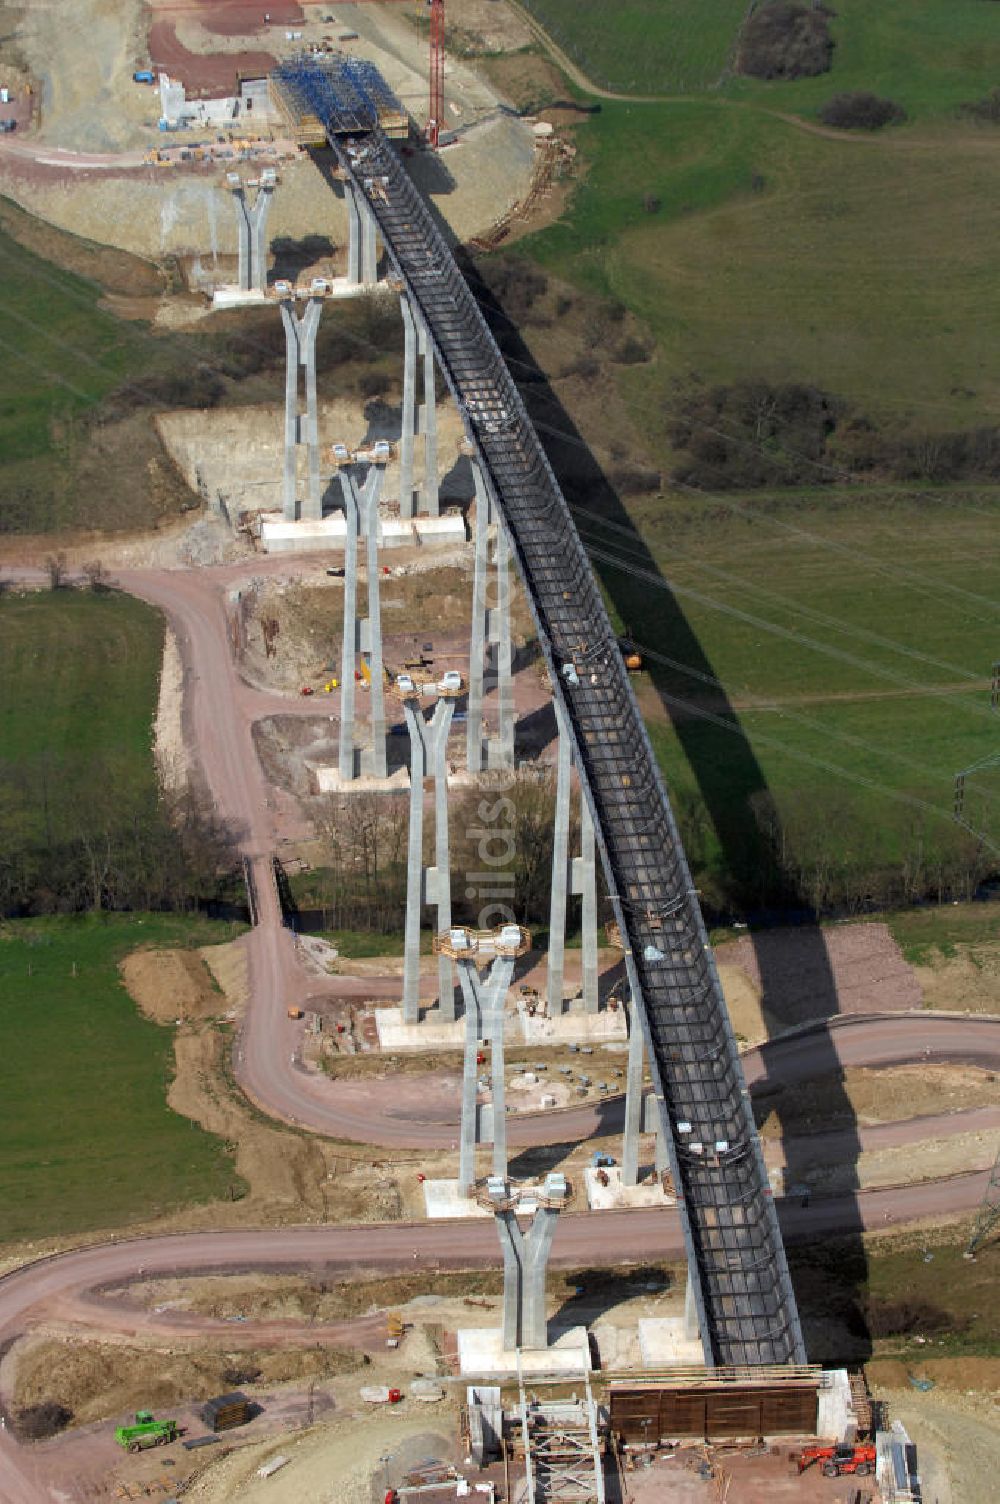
(837, 1458)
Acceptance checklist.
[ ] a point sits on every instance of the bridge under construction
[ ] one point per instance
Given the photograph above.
(739, 1277)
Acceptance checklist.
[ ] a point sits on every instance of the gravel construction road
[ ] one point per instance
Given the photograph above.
(423, 1111)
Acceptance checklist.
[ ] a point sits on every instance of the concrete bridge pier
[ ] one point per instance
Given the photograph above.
(484, 999)
(300, 353)
(251, 226)
(490, 633)
(361, 507)
(431, 884)
(525, 1260)
(578, 877)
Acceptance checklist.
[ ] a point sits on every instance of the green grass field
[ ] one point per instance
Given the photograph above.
(780, 254)
(930, 55)
(748, 247)
(61, 352)
(924, 935)
(854, 659)
(645, 46)
(82, 825)
(865, 266)
(78, 686)
(88, 1139)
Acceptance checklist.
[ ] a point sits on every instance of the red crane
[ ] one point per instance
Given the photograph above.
(435, 112)
(435, 117)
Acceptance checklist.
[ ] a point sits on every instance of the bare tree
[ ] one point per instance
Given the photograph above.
(55, 568)
(364, 845)
(96, 576)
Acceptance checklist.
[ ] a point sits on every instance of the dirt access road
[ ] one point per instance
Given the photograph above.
(422, 1111)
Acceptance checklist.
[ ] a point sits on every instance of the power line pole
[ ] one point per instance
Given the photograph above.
(989, 761)
(989, 1211)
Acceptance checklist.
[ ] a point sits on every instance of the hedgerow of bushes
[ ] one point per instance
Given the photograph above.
(753, 434)
(861, 111)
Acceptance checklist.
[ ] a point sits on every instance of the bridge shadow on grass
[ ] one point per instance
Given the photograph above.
(829, 1285)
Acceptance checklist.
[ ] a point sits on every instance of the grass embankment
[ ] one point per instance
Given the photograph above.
(88, 1138)
(928, 935)
(63, 356)
(48, 319)
(860, 616)
(892, 1302)
(80, 382)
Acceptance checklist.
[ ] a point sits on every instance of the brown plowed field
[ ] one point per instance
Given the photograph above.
(204, 75)
(233, 18)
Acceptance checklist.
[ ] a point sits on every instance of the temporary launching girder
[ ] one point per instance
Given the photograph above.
(746, 1305)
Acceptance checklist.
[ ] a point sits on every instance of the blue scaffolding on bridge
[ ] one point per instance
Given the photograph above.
(348, 95)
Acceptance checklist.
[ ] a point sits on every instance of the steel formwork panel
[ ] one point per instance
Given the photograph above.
(744, 1296)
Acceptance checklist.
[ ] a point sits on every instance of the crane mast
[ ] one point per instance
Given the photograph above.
(435, 114)
(435, 103)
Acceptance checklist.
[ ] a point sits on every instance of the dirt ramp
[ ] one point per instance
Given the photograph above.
(172, 984)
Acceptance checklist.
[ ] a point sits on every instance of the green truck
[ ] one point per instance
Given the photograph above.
(146, 1432)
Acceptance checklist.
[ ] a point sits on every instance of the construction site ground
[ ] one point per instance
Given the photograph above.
(292, 626)
(237, 452)
(865, 962)
(751, 1475)
(82, 61)
(956, 1426)
(103, 1376)
(297, 1416)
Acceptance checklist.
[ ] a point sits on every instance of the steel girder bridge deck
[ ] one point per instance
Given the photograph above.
(746, 1306)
